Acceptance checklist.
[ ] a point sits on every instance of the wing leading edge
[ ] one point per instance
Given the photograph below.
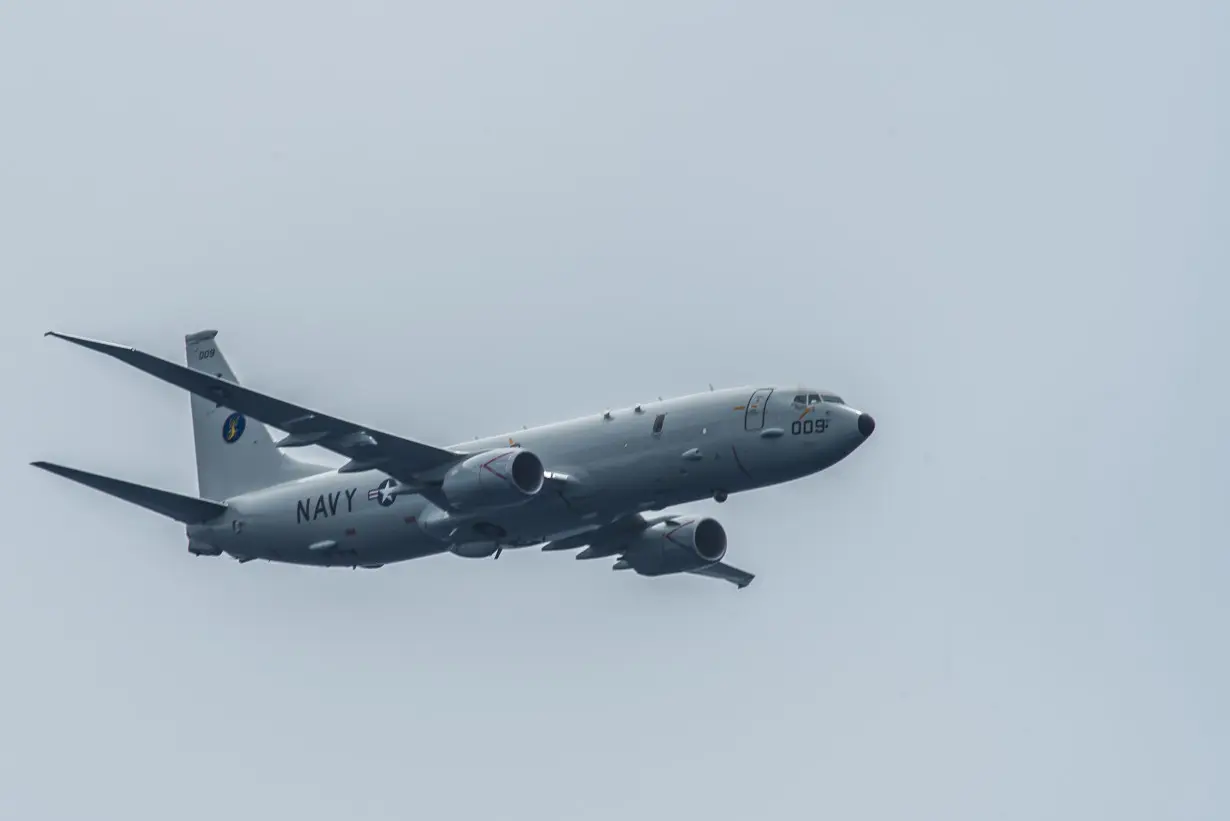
(365, 447)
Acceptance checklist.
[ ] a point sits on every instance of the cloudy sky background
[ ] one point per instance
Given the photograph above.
(1001, 230)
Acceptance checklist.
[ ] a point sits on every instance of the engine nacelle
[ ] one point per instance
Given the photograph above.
(496, 478)
(686, 543)
(474, 550)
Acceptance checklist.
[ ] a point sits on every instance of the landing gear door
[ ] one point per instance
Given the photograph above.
(753, 415)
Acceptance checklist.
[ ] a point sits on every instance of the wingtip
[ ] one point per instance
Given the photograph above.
(93, 344)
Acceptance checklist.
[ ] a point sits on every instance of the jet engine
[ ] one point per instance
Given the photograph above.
(676, 546)
(495, 478)
(474, 550)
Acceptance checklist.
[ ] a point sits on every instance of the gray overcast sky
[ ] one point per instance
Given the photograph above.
(1001, 228)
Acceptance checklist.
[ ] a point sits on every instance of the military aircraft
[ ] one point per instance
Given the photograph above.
(597, 482)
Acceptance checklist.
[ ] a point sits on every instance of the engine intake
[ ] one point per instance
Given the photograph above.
(495, 478)
(677, 546)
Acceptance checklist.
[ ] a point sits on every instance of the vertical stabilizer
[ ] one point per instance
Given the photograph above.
(234, 454)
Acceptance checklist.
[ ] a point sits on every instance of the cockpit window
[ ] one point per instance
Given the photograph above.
(815, 398)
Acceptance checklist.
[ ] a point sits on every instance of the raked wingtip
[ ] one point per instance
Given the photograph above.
(93, 344)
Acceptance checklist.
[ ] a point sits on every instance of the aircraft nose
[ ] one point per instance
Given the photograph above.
(866, 424)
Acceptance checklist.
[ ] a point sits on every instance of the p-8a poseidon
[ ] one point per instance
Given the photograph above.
(598, 482)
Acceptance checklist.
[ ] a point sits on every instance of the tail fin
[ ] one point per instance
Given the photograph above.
(234, 454)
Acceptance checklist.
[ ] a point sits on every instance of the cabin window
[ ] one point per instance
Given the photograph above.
(801, 399)
(832, 397)
(657, 423)
(813, 398)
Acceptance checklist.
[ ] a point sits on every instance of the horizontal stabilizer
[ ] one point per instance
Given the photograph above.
(187, 509)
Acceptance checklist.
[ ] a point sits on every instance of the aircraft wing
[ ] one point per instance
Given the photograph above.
(599, 536)
(367, 448)
(739, 578)
(610, 540)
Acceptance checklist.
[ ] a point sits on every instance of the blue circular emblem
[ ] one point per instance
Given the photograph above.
(233, 427)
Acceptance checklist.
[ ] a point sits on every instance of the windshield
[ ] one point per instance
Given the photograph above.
(804, 399)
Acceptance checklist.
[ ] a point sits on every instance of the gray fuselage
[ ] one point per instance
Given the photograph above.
(655, 455)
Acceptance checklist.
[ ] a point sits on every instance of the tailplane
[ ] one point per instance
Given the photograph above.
(234, 454)
(186, 509)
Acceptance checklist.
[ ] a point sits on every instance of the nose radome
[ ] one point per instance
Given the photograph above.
(866, 424)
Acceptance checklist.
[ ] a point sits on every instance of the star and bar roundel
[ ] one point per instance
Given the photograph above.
(385, 493)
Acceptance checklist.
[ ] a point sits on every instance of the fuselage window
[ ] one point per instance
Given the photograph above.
(813, 399)
(657, 423)
(801, 399)
(832, 397)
